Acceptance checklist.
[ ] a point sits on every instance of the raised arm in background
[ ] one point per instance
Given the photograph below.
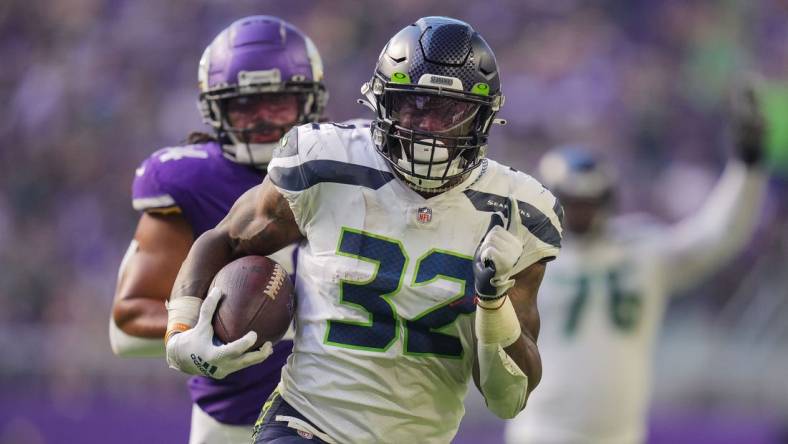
(701, 243)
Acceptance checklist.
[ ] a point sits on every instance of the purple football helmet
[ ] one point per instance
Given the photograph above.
(258, 55)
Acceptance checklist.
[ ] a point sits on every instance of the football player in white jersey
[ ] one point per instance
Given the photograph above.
(604, 299)
(419, 259)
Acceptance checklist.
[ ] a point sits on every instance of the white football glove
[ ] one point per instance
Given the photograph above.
(194, 352)
(498, 253)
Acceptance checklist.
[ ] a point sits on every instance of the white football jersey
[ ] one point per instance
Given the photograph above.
(601, 305)
(384, 344)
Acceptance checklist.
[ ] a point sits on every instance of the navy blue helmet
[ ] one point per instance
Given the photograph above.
(436, 91)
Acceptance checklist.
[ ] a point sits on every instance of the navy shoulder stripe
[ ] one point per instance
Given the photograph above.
(534, 220)
(559, 211)
(313, 172)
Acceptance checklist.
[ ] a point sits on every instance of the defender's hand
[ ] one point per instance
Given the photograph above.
(748, 125)
(498, 254)
(194, 351)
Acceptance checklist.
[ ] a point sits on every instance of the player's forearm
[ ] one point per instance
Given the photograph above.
(137, 326)
(742, 206)
(732, 208)
(721, 227)
(141, 317)
(524, 351)
(503, 357)
(525, 354)
(209, 253)
(128, 346)
(703, 242)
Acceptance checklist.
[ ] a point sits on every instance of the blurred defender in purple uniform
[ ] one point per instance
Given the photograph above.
(257, 79)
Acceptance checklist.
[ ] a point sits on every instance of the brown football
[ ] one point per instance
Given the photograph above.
(258, 296)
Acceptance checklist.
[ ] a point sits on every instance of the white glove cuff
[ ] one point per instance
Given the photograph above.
(172, 355)
(496, 322)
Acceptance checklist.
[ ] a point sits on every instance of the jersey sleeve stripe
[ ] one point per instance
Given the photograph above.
(155, 202)
(558, 209)
(313, 172)
(538, 223)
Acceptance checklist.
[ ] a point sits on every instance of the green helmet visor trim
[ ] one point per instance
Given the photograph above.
(481, 89)
(400, 77)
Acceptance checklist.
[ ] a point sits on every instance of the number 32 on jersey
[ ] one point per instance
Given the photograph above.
(375, 297)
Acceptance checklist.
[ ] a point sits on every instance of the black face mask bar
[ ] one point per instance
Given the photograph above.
(312, 97)
(399, 142)
(245, 134)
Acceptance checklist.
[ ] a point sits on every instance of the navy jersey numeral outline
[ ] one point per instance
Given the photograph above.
(423, 335)
(624, 307)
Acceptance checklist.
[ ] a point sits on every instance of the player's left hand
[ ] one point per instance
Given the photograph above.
(498, 254)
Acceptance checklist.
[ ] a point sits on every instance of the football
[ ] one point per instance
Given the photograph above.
(258, 296)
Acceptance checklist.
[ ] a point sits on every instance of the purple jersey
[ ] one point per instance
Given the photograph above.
(200, 183)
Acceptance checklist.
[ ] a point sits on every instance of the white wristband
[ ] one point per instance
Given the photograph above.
(182, 314)
(496, 322)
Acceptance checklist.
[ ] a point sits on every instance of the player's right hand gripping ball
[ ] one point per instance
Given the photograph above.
(258, 297)
(498, 253)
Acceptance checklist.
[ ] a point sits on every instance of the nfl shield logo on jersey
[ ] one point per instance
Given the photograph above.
(424, 215)
(304, 434)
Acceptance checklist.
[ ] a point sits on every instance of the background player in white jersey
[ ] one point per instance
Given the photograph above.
(258, 78)
(398, 227)
(604, 299)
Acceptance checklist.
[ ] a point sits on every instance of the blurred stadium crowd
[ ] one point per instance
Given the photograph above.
(91, 87)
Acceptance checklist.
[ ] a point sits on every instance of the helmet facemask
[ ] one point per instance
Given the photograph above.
(436, 91)
(253, 143)
(433, 138)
